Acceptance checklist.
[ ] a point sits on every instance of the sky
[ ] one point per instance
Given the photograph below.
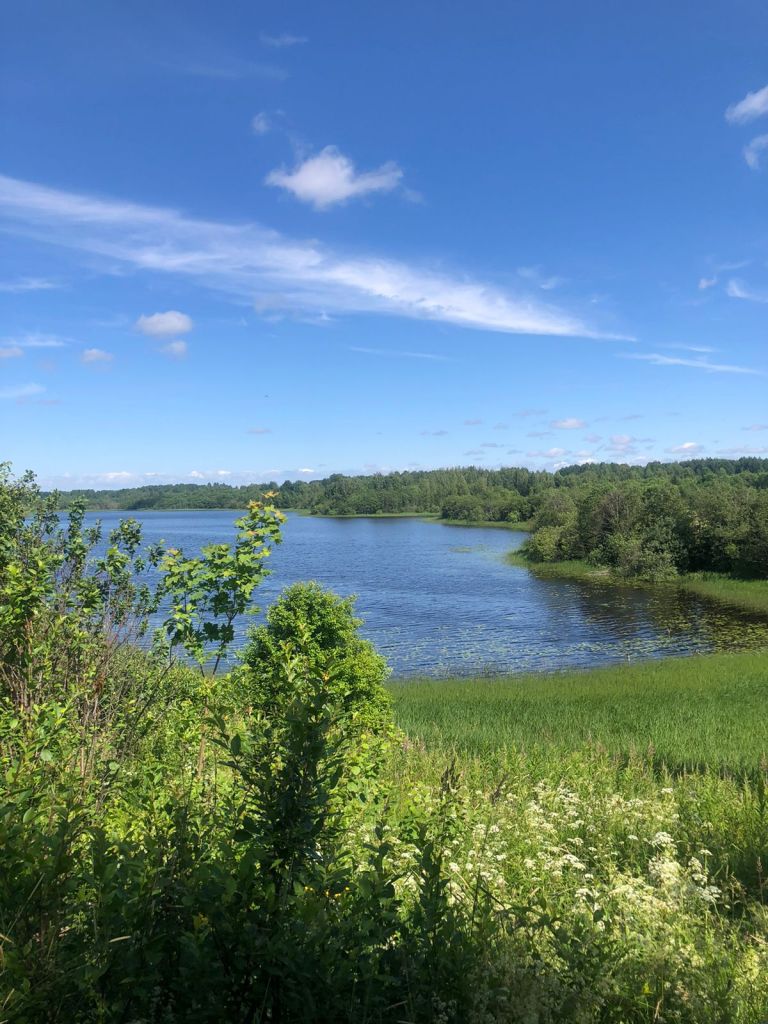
(248, 241)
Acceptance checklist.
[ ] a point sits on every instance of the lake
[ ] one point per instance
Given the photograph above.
(441, 600)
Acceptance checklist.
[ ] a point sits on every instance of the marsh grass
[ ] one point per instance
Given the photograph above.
(750, 595)
(684, 712)
(745, 594)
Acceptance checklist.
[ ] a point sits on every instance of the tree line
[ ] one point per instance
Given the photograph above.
(603, 510)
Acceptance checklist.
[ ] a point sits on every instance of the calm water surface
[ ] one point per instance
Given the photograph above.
(440, 600)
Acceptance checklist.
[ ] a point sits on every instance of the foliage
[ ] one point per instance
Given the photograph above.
(307, 864)
(208, 592)
(319, 629)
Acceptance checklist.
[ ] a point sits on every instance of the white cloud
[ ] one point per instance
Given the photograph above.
(686, 448)
(175, 349)
(745, 450)
(753, 151)
(550, 453)
(260, 430)
(397, 352)
(197, 475)
(754, 105)
(706, 349)
(164, 325)
(223, 472)
(738, 290)
(545, 282)
(305, 469)
(756, 426)
(96, 355)
(283, 39)
(28, 284)
(21, 391)
(247, 261)
(697, 364)
(261, 124)
(330, 178)
(227, 68)
(707, 282)
(11, 351)
(568, 424)
(37, 341)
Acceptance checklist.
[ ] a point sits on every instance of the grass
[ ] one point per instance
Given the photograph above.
(747, 595)
(574, 569)
(520, 527)
(686, 712)
(750, 595)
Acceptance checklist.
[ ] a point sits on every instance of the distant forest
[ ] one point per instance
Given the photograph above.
(468, 494)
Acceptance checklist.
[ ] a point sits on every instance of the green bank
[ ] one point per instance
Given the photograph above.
(686, 713)
(750, 595)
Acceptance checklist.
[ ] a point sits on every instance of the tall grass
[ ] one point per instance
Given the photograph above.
(684, 712)
(750, 595)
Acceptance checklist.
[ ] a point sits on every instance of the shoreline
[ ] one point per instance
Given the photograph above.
(745, 595)
(432, 517)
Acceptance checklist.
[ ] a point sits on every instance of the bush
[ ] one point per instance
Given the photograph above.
(545, 545)
(320, 629)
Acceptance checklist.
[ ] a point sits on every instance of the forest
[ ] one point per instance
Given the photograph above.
(654, 521)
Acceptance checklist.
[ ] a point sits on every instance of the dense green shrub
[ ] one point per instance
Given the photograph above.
(319, 629)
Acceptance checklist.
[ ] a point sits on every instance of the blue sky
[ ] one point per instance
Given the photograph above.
(247, 241)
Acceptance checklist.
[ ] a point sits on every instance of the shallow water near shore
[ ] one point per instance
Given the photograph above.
(442, 601)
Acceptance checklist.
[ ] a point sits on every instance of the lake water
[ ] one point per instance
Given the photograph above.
(441, 600)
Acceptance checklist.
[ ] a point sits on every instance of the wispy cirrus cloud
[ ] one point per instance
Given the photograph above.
(226, 68)
(716, 270)
(754, 105)
(657, 359)
(395, 352)
(28, 284)
(736, 289)
(754, 150)
(280, 41)
(544, 281)
(251, 262)
(21, 391)
(34, 340)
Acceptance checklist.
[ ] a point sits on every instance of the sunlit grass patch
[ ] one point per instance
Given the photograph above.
(702, 710)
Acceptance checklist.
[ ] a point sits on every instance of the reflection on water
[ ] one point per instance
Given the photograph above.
(442, 600)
